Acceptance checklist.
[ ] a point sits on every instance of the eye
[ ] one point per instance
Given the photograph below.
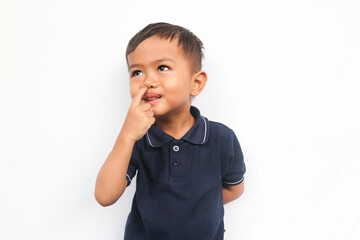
(163, 68)
(136, 73)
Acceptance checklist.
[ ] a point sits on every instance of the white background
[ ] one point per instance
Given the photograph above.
(284, 75)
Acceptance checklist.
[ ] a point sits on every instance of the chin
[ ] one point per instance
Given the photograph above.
(158, 110)
(164, 111)
(159, 113)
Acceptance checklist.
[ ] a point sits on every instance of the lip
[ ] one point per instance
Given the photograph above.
(153, 102)
(151, 98)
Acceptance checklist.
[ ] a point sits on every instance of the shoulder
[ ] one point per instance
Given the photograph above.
(220, 133)
(220, 129)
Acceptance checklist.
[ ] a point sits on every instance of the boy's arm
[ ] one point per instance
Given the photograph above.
(111, 180)
(232, 192)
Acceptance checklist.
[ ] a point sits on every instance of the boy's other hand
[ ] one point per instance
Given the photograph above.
(139, 117)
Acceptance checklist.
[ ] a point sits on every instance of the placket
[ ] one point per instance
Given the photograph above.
(177, 161)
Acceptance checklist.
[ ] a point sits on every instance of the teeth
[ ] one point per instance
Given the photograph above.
(150, 99)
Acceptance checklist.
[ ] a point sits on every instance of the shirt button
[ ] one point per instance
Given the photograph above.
(176, 148)
(176, 163)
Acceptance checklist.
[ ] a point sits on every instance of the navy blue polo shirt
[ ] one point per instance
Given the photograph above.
(179, 182)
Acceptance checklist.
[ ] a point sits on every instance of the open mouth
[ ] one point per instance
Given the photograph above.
(151, 97)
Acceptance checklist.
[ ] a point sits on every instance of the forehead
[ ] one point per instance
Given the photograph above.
(155, 48)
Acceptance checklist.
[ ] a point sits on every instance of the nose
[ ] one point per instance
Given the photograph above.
(150, 81)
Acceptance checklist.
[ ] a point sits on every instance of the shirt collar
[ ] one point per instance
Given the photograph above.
(198, 134)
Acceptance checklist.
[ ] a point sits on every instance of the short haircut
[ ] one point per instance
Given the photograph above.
(191, 44)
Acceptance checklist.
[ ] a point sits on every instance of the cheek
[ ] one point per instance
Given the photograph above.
(178, 90)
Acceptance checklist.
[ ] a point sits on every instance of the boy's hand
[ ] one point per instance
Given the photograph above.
(139, 118)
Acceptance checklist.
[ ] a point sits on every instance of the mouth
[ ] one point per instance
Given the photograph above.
(151, 98)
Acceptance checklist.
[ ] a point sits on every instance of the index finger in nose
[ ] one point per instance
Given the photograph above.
(138, 97)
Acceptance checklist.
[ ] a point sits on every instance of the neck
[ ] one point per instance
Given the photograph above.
(176, 125)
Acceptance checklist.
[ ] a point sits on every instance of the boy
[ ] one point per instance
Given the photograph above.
(187, 167)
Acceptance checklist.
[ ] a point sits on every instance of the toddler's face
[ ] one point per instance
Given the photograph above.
(161, 66)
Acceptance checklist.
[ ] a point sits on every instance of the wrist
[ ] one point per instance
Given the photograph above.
(126, 137)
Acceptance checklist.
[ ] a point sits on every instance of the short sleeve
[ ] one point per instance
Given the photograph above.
(131, 172)
(234, 161)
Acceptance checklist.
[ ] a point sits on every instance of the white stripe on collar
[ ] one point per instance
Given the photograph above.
(147, 134)
(205, 129)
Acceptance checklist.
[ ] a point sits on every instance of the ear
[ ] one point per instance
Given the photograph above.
(198, 83)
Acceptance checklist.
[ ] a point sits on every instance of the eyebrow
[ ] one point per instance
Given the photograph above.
(156, 61)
